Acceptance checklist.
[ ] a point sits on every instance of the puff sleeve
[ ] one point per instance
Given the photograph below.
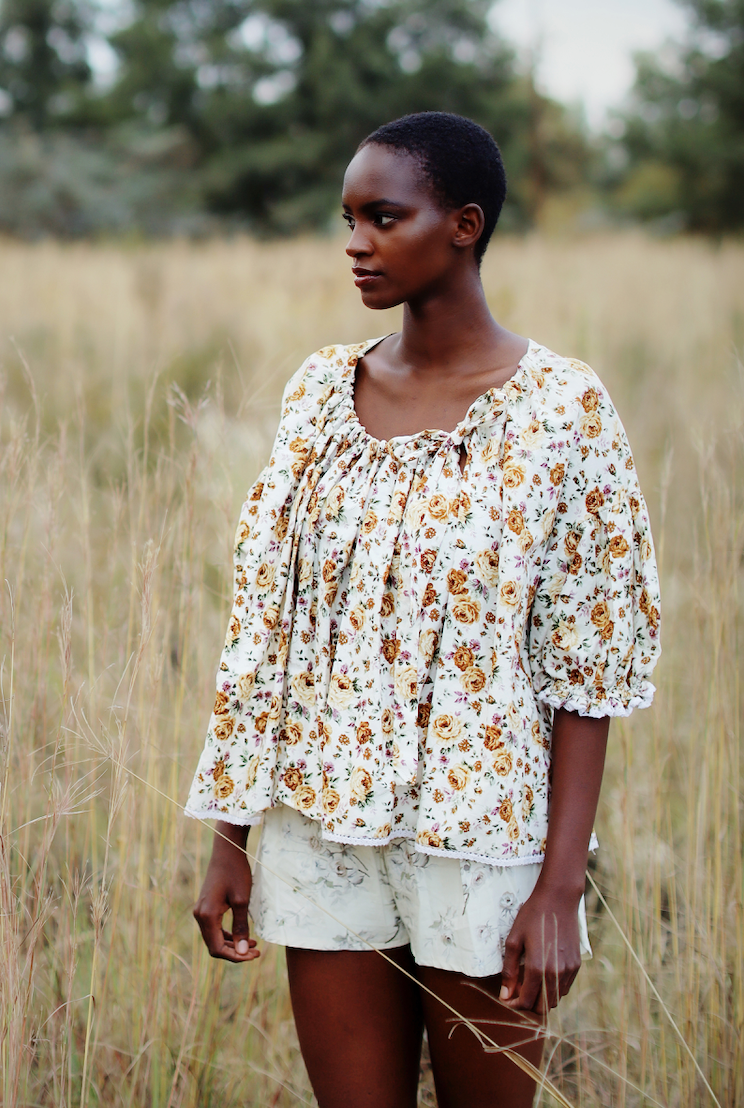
(594, 625)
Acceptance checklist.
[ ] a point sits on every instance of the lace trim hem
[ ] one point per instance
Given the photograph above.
(613, 706)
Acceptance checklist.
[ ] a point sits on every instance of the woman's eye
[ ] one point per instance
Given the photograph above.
(382, 219)
(349, 220)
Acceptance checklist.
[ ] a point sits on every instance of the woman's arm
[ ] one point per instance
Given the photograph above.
(546, 929)
(227, 886)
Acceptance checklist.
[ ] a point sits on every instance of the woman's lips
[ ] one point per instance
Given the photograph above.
(363, 278)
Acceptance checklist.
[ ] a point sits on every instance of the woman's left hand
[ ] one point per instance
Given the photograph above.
(546, 933)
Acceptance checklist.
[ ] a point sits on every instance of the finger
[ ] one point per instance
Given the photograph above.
(529, 990)
(240, 927)
(510, 970)
(219, 942)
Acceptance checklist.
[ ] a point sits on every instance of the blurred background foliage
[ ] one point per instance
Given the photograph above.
(190, 116)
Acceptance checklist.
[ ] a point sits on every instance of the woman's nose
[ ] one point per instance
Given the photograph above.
(358, 243)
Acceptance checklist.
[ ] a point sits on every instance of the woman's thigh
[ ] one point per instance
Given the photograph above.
(466, 1074)
(359, 1023)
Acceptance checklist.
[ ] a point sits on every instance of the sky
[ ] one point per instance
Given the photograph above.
(585, 47)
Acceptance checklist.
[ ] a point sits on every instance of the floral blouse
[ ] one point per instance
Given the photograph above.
(402, 629)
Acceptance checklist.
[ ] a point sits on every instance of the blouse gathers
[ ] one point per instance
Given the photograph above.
(402, 630)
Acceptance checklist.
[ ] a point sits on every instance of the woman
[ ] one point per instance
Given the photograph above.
(430, 633)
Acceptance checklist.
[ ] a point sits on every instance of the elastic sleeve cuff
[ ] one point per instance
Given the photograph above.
(617, 703)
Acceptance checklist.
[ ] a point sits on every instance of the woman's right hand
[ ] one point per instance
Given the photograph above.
(227, 887)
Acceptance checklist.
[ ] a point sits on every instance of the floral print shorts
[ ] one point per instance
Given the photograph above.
(456, 914)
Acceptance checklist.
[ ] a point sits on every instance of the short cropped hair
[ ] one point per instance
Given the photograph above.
(460, 159)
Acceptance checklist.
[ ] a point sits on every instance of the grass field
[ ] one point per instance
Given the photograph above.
(138, 398)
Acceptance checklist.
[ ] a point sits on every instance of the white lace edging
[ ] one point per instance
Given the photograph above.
(208, 813)
(598, 710)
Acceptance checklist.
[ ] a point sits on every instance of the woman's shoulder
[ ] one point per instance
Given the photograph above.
(568, 385)
(322, 371)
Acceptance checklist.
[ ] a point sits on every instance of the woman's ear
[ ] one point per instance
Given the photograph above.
(470, 224)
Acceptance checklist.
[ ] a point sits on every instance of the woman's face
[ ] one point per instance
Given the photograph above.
(404, 244)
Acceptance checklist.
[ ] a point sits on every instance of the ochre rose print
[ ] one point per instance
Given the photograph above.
(502, 763)
(223, 787)
(357, 617)
(590, 400)
(305, 573)
(422, 718)
(513, 476)
(505, 811)
(618, 546)
(473, 679)
(515, 521)
(511, 594)
(406, 682)
(369, 522)
(466, 609)
(341, 691)
(492, 739)
(428, 558)
(446, 728)
(233, 629)
(224, 729)
(438, 506)
(330, 798)
(271, 615)
(456, 581)
(303, 688)
(487, 567)
(429, 838)
(430, 595)
(220, 704)
(292, 778)
(458, 777)
(387, 721)
(246, 684)
(463, 657)
(304, 797)
(557, 474)
(590, 425)
(390, 649)
(594, 501)
(334, 502)
(360, 784)
(428, 642)
(292, 733)
(387, 605)
(565, 636)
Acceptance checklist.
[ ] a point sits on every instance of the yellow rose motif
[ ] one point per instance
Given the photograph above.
(397, 507)
(557, 474)
(533, 435)
(590, 425)
(265, 576)
(357, 617)
(360, 784)
(423, 714)
(594, 501)
(387, 605)
(260, 722)
(458, 777)
(251, 771)
(473, 680)
(233, 629)
(244, 533)
(390, 649)
(466, 609)
(246, 683)
(513, 475)
(511, 594)
(369, 522)
(292, 778)
(281, 527)
(463, 657)
(487, 567)
(513, 830)
(305, 573)
(428, 642)
(618, 546)
(456, 581)
(502, 763)
(298, 445)
(527, 802)
(525, 541)
(555, 586)
(387, 721)
(298, 394)
(406, 682)
(304, 797)
(565, 636)
(428, 560)
(505, 810)
(271, 615)
(292, 733)
(275, 708)
(492, 737)
(437, 506)
(590, 400)
(334, 502)
(223, 787)
(341, 691)
(330, 799)
(303, 688)
(224, 729)
(446, 728)
(429, 838)
(221, 704)
(515, 521)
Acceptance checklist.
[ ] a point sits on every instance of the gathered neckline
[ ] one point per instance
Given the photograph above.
(428, 433)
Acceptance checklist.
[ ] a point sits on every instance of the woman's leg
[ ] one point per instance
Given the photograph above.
(465, 1075)
(359, 1023)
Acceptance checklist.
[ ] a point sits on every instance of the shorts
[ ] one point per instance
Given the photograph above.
(454, 913)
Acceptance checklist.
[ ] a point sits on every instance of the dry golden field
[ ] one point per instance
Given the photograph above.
(138, 398)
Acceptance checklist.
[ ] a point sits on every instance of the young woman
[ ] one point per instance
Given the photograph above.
(444, 588)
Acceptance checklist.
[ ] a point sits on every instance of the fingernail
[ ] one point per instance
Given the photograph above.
(504, 994)
(242, 947)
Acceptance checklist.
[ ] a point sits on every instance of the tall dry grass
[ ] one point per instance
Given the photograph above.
(140, 396)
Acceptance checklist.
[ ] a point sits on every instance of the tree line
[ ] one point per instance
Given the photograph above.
(202, 114)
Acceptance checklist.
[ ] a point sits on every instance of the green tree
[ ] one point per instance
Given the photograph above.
(44, 70)
(684, 136)
(277, 93)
